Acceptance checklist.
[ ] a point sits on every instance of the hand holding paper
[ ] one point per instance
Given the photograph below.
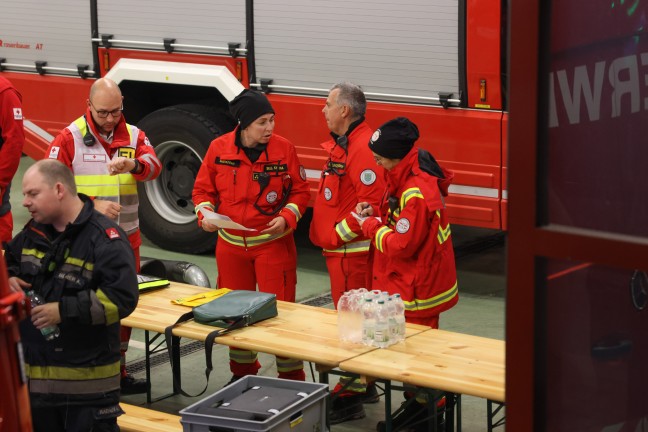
(221, 221)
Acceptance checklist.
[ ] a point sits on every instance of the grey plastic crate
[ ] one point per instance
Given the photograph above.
(256, 403)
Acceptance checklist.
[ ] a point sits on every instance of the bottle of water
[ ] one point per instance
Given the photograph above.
(356, 301)
(368, 321)
(399, 316)
(343, 318)
(393, 324)
(381, 329)
(51, 332)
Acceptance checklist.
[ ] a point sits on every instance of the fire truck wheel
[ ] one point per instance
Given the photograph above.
(181, 135)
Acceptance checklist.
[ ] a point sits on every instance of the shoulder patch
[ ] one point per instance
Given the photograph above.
(367, 177)
(17, 112)
(402, 226)
(302, 172)
(54, 152)
(112, 233)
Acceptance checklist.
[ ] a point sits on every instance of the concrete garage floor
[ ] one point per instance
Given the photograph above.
(480, 312)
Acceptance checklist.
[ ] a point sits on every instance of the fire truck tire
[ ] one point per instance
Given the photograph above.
(181, 135)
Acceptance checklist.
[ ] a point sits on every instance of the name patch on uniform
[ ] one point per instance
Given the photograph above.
(228, 162)
(17, 113)
(112, 233)
(275, 168)
(54, 152)
(126, 152)
(90, 157)
(336, 165)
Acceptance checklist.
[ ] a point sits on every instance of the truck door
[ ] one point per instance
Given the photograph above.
(577, 311)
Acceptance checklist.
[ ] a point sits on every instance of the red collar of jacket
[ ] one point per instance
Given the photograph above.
(408, 170)
(330, 145)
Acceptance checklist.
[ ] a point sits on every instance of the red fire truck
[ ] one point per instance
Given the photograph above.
(440, 63)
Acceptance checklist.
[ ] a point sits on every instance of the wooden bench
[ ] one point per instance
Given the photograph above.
(139, 419)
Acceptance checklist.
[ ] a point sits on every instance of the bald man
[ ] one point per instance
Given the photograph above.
(108, 157)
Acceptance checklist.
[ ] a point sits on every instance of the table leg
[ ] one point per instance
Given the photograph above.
(388, 406)
(147, 365)
(175, 352)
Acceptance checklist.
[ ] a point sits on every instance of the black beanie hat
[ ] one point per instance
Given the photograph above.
(248, 106)
(394, 139)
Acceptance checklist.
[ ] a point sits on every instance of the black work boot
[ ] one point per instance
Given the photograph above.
(413, 417)
(371, 396)
(130, 385)
(346, 408)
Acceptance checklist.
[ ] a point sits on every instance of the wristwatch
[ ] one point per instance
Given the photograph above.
(135, 169)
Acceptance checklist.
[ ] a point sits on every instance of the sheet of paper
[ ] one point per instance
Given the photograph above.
(358, 217)
(222, 221)
(361, 218)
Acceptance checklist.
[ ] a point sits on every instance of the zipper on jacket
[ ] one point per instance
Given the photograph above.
(234, 171)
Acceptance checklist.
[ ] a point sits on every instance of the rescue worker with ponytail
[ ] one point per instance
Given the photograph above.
(411, 251)
(108, 157)
(254, 176)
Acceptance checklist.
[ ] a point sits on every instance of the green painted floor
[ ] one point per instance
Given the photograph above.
(480, 311)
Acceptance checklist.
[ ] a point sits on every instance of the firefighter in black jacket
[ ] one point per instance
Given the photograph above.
(81, 264)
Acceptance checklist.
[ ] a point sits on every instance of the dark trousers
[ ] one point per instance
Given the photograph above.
(73, 418)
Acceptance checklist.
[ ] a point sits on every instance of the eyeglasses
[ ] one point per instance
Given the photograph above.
(103, 113)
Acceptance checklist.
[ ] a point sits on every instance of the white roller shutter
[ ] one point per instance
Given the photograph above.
(59, 34)
(406, 47)
(213, 23)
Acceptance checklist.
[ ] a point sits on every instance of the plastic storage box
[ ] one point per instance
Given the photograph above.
(256, 403)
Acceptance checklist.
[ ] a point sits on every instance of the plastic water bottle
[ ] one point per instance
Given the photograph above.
(399, 316)
(381, 329)
(368, 321)
(51, 332)
(343, 318)
(356, 301)
(393, 324)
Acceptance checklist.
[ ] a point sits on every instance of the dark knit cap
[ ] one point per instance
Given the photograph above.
(248, 106)
(394, 139)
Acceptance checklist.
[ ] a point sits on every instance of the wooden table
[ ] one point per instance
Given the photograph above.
(299, 331)
(437, 359)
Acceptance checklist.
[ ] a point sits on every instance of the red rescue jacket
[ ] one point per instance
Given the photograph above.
(412, 250)
(348, 177)
(229, 183)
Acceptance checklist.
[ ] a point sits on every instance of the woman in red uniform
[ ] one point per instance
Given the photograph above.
(412, 248)
(254, 177)
(411, 251)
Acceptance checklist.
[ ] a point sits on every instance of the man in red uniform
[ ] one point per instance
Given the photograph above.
(348, 177)
(412, 250)
(254, 177)
(108, 157)
(12, 139)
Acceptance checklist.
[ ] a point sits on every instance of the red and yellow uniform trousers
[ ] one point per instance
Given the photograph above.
(271, 265)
